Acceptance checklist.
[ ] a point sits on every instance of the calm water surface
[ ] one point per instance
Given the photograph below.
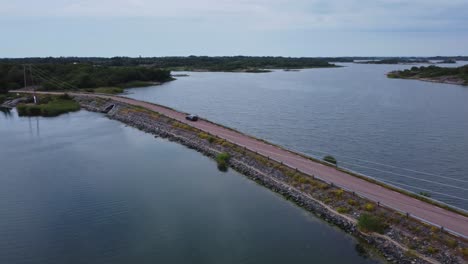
(80, 188)
(354, 112)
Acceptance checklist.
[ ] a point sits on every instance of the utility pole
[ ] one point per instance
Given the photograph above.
(32, 84)
(24, 74)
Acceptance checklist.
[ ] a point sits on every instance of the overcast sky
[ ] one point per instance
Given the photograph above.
(229, 27)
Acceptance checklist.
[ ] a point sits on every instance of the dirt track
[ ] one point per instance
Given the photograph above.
(439, 216)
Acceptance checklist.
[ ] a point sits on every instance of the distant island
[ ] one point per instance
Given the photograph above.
(395, 61)
(433, 73)
(447, 61)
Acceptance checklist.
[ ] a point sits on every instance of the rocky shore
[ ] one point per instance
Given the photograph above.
(160, 126)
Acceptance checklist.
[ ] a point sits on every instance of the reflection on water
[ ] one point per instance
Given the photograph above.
(34, 122)
(6, 112)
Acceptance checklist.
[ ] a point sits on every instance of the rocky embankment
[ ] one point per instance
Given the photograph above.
(272, 178)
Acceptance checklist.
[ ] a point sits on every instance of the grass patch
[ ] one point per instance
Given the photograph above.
(432, 250)
(451, 243)
(369, 207)
(464, 252)
(223, 160)
(182, 126)
(352, 202)
(371, 223)
(49, 106)
(342, 210)
(338, 193)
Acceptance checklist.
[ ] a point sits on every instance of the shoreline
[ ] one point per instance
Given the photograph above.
(445, 80)
(268, 176)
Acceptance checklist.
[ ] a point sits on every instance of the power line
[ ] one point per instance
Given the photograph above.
(62, 83)
(422, 189)
(53, 80)
(435, 175)
(49, 80)
(406, 176)
(297, 158)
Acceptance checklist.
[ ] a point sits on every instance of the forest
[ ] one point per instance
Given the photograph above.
(69, 76)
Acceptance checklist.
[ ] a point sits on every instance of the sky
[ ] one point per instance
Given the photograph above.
(297, 28)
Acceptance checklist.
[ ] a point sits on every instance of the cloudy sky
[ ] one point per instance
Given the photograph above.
(233, 27)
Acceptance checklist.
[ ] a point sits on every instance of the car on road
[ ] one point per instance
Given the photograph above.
(192, 117)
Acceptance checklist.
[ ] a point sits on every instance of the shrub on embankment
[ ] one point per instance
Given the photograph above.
(330, 159)
(223, 161)
(49, 106)
(371, 223)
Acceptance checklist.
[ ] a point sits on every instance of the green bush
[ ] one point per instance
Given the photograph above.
(49, 107)
(330, 159)
(352, 202)
(223, 160)
(369, 207)
(426, 194)
(371, 223)
(342, 210)
(432, 250)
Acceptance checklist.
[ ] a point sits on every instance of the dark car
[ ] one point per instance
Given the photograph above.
(192, 117)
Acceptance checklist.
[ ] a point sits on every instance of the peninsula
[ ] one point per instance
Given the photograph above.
(433, 73)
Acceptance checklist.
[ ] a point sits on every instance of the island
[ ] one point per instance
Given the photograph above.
(458, 75)
(395, 61)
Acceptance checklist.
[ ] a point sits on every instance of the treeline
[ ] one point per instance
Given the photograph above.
(66, 76)
(234, 63)
(432, 71)
(227, 63)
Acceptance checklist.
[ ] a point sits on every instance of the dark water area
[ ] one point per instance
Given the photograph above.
(80, 188)
(409, 133)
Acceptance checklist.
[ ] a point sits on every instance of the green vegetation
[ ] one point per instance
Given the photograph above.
(371, 223)
(49, 106)
(342, 210)
(464, 252)
(330, 159)
(223, 160)
(134, 84)
(432, 250)
(93, 71)
(425, 194)
(457, 75)
(369, 207)
(352, 202)
(54, 76)
(105, 90)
